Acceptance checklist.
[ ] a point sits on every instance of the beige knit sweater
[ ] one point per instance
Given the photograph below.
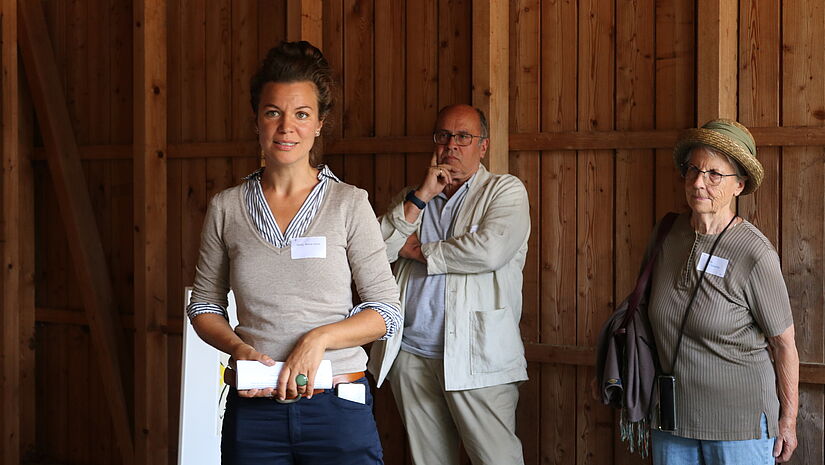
(280, 298)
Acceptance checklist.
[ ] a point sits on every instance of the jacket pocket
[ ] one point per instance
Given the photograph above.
(495, 341)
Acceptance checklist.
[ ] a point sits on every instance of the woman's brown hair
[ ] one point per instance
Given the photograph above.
(296, 62)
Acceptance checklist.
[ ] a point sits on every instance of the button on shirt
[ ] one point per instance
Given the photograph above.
(424, 319)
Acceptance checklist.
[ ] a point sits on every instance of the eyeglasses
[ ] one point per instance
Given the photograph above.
(462, 139)
(712, 177)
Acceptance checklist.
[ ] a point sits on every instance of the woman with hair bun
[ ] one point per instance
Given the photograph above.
(289, 241)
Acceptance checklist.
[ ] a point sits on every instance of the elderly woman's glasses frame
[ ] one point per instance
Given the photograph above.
(712, 177)
(461, 139)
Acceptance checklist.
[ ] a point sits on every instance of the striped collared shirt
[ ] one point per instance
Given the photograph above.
(266, 225)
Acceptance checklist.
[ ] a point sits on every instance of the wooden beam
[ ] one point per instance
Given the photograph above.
(64, 316)
(716, 52)
(557, 353)
(811, 373)
(12, 248)
(304, 21)
(491, 36)
(594, 140)
(76, 210)
(150, 90)
(781, 136)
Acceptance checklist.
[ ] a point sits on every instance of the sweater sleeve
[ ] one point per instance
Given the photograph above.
(395, 229)
(367, 257)
(212, 271)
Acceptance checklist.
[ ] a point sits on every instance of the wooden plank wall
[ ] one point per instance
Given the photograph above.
(585, 65)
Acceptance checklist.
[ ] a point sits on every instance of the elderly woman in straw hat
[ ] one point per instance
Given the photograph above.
(721, 317)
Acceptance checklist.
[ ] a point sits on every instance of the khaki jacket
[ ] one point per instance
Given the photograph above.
(483, 262)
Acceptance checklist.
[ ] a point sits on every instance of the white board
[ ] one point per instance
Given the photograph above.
(202, 395)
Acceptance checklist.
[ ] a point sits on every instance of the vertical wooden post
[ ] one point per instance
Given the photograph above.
(716, 60)
(491, 35)
(10, 350)
(304, 21)
(150, 89)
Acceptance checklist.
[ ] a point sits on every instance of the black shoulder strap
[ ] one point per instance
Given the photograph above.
(644, 277)
(695, 291)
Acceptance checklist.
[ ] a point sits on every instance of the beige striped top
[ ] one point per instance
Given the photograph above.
(724, 375)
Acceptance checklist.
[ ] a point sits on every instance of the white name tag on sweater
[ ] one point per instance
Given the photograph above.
(308, 247)
(717, 266)
(255, 375)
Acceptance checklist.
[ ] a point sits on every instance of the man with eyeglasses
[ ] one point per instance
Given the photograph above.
(459, 239)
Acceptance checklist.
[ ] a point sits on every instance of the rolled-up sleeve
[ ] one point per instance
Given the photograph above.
(367, 256)
(391, 315)
(211, 284)
(395, 229)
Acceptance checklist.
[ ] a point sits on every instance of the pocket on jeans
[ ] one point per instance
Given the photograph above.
(494, 333)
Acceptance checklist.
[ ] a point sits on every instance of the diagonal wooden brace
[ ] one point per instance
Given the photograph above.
(76, 210)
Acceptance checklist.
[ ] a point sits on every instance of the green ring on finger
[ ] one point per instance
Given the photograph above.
(301, 380)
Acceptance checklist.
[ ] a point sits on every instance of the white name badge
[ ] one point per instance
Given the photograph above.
(717, 266)
(308, 247)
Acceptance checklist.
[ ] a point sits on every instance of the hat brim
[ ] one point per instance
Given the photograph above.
(705, 137)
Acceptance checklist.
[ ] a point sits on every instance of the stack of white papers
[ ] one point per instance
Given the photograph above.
(256, 375)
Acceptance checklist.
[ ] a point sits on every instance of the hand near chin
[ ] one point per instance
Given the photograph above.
(435, 179)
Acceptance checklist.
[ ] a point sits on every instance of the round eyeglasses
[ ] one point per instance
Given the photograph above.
(712, 177)
(462, 139)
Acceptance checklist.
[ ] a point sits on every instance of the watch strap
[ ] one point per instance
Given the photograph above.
(415, 200)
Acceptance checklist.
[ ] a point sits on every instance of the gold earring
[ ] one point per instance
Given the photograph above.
(317, 133)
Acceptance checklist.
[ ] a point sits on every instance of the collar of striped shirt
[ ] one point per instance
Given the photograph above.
(262, 215)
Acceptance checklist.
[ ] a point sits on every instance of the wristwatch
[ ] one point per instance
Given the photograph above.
(415, 200)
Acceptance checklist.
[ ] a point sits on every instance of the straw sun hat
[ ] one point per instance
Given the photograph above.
(728, 137)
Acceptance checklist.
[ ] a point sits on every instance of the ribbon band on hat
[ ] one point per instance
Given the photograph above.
(736, 134)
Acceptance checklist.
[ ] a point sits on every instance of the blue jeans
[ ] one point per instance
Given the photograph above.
(319, 431)
(669, 449)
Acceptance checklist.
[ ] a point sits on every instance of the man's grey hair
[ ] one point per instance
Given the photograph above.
(485, 128)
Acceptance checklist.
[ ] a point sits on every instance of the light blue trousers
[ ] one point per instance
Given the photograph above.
(669, 449)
